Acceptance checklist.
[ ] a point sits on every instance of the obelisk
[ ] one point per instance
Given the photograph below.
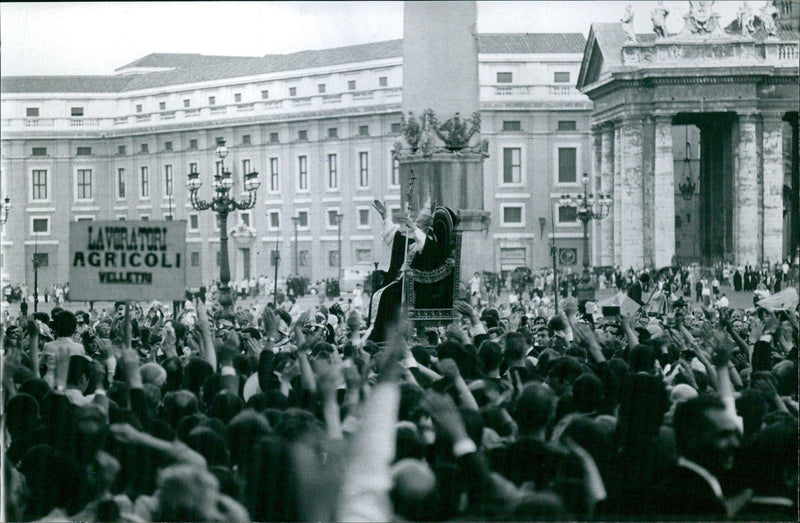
(440, 90)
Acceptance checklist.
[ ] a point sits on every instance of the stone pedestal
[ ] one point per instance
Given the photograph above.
(453, 180)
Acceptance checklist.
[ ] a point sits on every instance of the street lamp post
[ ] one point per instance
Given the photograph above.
(590, 207)
(339, 217)
(296, 221)
(222, 204)
(277, 259)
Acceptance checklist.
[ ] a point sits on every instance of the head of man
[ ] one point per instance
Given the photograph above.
(706, 433)
(535, 408)
(65, 324)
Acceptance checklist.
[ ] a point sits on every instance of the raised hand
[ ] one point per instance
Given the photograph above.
(445, 415)
(449, 369)
(380, 207)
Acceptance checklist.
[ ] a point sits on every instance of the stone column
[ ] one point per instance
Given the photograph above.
(631, 198)
(596, 188)
(745, 216)
(617, 184)
(664, 194)
(773, 187)
(607, 185)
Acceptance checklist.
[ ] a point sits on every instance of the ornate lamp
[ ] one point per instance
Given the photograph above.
(688, 187)
(6, 208)
(222, 204)
(589, 207)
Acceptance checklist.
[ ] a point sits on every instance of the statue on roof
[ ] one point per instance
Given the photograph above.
(659, 18)
(745, 17)
(627, 24)
(701, 20)
(768, 14)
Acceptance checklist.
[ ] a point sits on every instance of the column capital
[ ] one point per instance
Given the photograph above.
(747, 114)
(663, 118)
(772, 116)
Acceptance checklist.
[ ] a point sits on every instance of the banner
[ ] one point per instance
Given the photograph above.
(122, 260)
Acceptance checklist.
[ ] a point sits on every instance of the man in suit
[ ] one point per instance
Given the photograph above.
(706, 437)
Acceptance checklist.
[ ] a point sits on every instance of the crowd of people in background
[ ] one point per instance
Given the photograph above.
(686, 408)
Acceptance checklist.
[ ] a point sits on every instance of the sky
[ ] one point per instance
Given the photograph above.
(94, 38)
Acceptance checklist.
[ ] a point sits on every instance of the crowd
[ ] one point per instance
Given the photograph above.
(513, 412)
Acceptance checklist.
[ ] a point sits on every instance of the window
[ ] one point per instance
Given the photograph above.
(245, 218)
(293, 91)
(273, 138)
(162, 106)
(84, 184)
(237, 97)
(145, 148)
(567, 214)
(194, 259)
(302, 221)
(39, 184)
(144, 183)
(218, 167)
(333, 218)
(84, 151)
(363, 218)
(40, 225)
(168, 188)
(302, 173)
(689, 218)
(273, 175)
(120, 183)
(167, 146)
(561, 77)
(512, 165)
(187, 103)
(333, 173)
(512, 215)
(274, 220)
(383, 81)
(39, 151)
(274, 256)
(246, 168)
(122, 218)
(41, 259)
(32, 112)
(363, 169)
(122, 150)
(363, 130)
(321, 88)
(192, 167)
(245, 139)
(567, 125)
(397, 128)
(194, 222)
(212, 100)
(364, 255)
(396, 213)
(84, 218)
(505, 78)
(76, 111)
(145, 217)
(678, 221)
(333, 258)
(351, 85)
(395, 172)
(265, 94)
(567, 171)
(333, 132)
(512, 125)
(193, 144)
(138, 108)
(302, 136)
